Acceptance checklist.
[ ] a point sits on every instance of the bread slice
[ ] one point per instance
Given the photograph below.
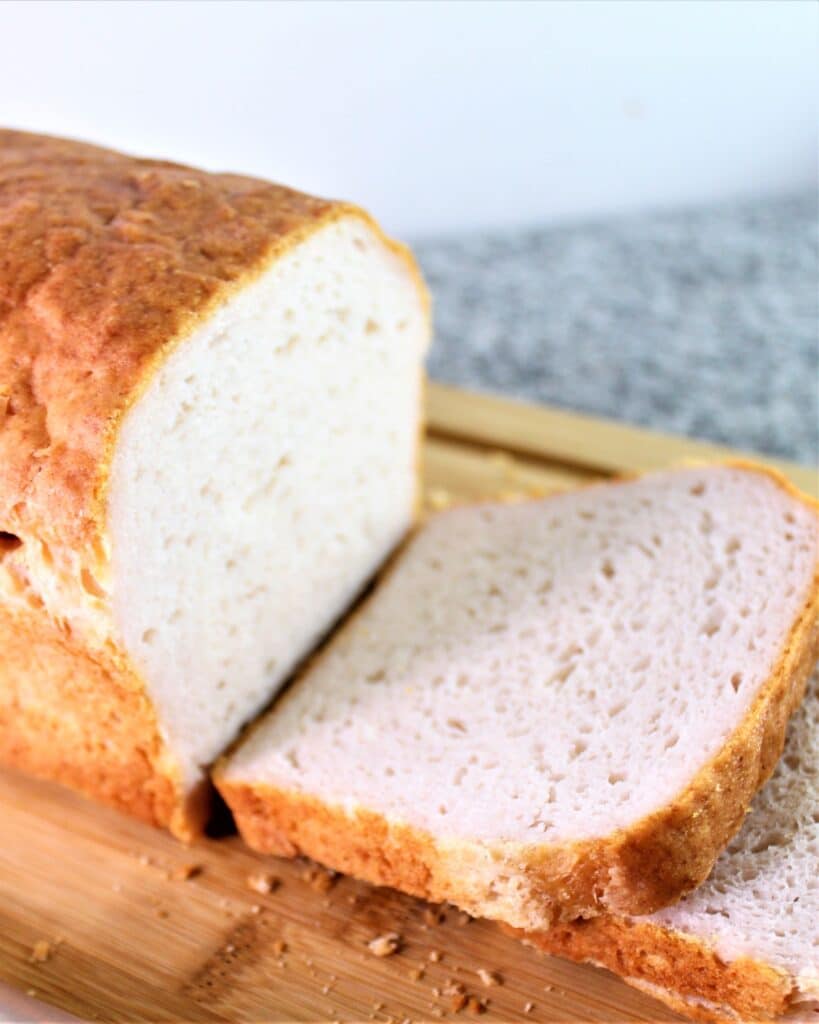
(209, 422)
(745, 945)
(553, 708)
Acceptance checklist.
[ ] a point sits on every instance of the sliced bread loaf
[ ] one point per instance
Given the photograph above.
(553, 708)
(745, 945)
(209, 421)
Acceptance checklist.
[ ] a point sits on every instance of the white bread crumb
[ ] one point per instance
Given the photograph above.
(489, 978)
(384, 945)
(263, 883)
(40, 952)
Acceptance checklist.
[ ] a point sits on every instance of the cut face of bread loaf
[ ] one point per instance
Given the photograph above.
(745, 945)
(208, 444)
(554, 708)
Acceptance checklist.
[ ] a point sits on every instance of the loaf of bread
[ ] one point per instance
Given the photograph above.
(550, 709)
(209, 423)
(745, 945)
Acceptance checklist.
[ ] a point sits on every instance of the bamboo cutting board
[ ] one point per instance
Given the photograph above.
(98, 918)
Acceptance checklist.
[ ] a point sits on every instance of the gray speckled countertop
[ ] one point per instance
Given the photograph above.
(701, 322)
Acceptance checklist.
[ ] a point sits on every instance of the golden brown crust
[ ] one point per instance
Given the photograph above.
(107, 262)
(678, 968)
(67, 716)
(634, 871)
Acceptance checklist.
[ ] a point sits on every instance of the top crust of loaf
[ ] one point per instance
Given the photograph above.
(636, 870)
(107, 263)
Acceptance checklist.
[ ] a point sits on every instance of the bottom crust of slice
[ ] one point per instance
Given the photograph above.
(67, 717)
(675, 968)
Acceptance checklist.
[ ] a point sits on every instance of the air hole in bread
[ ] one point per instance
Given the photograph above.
(562, 675)
(713, 623)
(713, 580)
(90, 584)
(769, 839)
(8, 542)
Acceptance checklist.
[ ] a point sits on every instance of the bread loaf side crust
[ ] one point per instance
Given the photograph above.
(108, 263)
(634, 871)
(66, 715)
(676, 968)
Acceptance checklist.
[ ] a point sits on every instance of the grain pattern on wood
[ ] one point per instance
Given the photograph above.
(131, 942)
(455, 472)
(554, 435)
(128, 941)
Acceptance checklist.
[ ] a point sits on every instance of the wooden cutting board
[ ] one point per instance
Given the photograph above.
(96, 918)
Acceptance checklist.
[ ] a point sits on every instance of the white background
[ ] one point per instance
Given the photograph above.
(438, 116)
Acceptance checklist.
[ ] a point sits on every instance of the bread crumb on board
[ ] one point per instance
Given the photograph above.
(263, 882)
(279, 947)
(184, 872)
(476, 1005)
(320, 879)
(435, 956)
(528, 1007)
(41, 952)
(489, 978)
(433, 916)
(385, 945)
(457, 1002)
